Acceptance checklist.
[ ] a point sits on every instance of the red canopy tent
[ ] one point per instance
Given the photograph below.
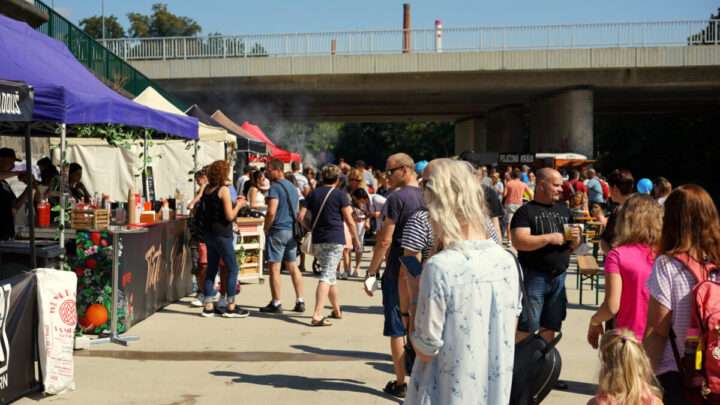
(275, 151)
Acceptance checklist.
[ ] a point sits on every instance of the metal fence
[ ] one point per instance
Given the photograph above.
(111, 68)
(612, 35)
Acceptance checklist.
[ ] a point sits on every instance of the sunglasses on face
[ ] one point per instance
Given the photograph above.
(389, 172)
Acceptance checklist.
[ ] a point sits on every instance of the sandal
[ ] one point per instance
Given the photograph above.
(396, 389)
(336, 314)
(322, 322)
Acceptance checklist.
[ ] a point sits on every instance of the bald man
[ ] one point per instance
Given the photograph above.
(401, 204)
(544, 253)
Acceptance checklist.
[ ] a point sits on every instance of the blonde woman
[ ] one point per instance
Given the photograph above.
(626, 377)
(627, 267)
(468, 303)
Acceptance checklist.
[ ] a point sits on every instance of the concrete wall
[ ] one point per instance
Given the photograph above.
(470, 135)
(433, 62)
(506, 129)
(563, 123)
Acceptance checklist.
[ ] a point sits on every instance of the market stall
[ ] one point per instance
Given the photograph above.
(66, 93)
(245, 142)
(275, 151)
(18, 304)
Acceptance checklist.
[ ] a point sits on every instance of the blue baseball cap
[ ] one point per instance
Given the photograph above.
(644, 186)
(420, 166)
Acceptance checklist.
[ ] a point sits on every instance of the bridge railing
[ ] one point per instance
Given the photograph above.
(542, 37)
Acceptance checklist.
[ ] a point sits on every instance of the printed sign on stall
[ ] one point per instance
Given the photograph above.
(18, 341)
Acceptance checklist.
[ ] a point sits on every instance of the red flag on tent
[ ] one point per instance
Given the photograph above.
(275, 151)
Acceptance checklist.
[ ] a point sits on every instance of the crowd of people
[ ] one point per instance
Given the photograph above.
(44, 184)
(459, 246)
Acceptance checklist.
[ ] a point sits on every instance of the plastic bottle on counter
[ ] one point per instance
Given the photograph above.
(120, 214)
(133, 207)
(43, 213)
(165, 211)
(179, 202)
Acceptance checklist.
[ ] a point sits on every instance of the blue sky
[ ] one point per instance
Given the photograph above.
(238, 16)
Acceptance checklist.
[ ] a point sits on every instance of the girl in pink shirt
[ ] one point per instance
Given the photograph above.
(627, 267)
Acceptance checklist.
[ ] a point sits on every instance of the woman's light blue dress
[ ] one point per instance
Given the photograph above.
(467, 312)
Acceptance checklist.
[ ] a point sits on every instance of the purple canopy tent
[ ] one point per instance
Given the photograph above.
(68, 93)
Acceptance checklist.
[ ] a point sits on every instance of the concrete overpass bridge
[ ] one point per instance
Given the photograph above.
(507, 88)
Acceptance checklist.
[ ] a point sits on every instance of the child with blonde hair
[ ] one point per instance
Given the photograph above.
(626, 377)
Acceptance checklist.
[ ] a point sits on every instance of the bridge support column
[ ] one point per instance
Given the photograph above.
(563, 123)
(506, 129)
(470, 135)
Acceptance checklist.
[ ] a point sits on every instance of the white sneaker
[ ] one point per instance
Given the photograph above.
(197, 302)
(355, 274)
(343, 276)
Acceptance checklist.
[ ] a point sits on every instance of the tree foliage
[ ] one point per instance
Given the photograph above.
(708, 36)
(681, 148)
(93, 27)
(161, 23)
(373, 143)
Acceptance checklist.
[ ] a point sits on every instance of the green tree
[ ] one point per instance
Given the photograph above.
(681, 147)
(374, 142)
(708, 36)
(93, 27)
(161, 23)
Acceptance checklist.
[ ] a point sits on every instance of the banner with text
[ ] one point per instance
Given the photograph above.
(18, 337)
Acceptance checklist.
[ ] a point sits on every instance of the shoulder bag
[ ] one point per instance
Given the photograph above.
(297, 228)
(306, 244)
(537, 362)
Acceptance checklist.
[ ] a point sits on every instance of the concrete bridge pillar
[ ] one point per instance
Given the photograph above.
(506, 129)
(563, 123)
(470, 135)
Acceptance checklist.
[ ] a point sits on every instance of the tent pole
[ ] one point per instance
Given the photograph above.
(195, 166)
(63, 198)
(146, 150)
(30, 206)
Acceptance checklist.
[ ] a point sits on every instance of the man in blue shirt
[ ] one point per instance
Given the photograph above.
(282, 202)
(594, 188)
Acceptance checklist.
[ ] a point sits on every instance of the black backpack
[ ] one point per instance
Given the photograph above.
(537, 363)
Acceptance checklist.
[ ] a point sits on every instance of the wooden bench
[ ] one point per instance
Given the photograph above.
(589, 269)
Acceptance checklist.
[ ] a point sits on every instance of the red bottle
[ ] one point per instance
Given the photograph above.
(43, 214)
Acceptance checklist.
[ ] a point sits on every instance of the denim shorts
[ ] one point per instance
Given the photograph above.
(393, 325)
(547, 301)
(281, 246)
(328, 256)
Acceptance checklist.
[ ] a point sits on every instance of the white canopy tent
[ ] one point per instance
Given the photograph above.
(113, 170)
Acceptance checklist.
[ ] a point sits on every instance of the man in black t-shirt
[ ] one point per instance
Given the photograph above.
(544, 253)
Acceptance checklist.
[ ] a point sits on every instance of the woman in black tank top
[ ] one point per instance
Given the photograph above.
(217, 213)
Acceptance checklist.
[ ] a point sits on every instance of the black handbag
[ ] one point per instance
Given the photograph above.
(409, 357)
(537, 364)
(298, 230)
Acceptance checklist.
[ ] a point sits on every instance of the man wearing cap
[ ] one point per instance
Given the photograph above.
(8, 202)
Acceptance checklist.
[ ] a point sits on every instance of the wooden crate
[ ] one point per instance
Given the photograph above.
(90, 219)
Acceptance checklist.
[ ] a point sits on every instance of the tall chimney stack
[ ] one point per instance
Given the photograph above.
(407, 44)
